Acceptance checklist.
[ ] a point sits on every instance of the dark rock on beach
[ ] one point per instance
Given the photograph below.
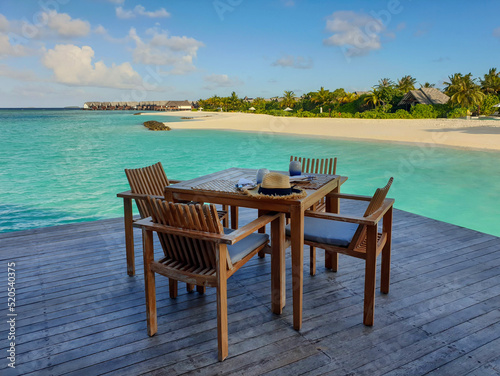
(138, 113)
(154, 125)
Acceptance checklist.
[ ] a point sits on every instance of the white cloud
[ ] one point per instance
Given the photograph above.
(65, 26)
(124, 14)
(290, 61)
(4, 23)
(73, 65)
(139, 10)
(162, 49)
(15, 74)
(221, 80)
(7, 49)
(358, 33)
(100, 30)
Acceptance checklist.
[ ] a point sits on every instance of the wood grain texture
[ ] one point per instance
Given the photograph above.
(80, 314)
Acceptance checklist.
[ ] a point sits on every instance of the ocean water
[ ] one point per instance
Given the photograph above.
(63, 166)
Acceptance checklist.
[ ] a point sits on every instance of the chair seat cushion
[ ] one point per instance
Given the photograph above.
(327, 231)
(246, 245)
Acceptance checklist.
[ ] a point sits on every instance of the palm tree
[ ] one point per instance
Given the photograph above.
(259, 103)
(288, 99)
(373, 97)
(213, 102)
(225, 102)
(491, 82)
(348, 98)
(427, 84)
(234, 101)
(384, 82)
(452, 85)
(464, 91)
(321, 97)
(406, 83)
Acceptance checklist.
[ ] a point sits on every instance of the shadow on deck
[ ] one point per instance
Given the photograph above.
(78, 312)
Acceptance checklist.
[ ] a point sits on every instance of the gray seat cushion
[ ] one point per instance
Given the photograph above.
(239, 250)
(327, 231)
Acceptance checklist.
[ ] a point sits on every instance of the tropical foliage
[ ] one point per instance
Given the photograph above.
(466, 93)
(406, 83)
(463, 90)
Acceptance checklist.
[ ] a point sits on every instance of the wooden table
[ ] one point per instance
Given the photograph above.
(191, 190)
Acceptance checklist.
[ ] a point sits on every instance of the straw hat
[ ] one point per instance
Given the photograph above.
(276, 185)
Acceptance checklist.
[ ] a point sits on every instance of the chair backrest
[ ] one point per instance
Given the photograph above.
(317, 166)
(195, 253)
(150, 180)
(378, 199)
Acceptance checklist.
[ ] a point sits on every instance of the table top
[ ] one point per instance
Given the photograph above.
(219, 188)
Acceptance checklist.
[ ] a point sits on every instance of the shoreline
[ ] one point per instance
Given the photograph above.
(455, 133)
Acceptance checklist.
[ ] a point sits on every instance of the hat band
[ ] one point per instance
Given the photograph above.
(275, 191)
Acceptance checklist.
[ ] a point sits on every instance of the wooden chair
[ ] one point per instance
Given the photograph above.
(358, 237)
(148, 181)
(197, 250)
(316, 166)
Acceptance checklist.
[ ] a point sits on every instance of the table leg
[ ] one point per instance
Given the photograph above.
(234, 217)
(332, 206)
(129, 235)
(297, 236)
(278, 275)
(261, 230)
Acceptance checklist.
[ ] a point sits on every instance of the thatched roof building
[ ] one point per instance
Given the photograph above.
(424, 95)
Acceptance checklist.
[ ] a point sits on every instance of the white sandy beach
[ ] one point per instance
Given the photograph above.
(459, 133)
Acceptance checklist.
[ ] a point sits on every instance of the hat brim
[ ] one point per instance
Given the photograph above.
(276, 193)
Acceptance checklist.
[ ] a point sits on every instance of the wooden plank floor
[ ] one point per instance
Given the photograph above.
(80, 314)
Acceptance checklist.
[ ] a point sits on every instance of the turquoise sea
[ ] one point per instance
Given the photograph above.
(63, 166)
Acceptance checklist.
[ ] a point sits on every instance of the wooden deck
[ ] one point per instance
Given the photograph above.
(80, 314)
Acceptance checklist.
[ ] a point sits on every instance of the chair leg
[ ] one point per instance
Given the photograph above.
(385, 277)
(189, 287)
(332, 260)
(172, 286)
(149, 281)
(129, 236)
(222, 330)
(312, 260)
(370, 276)
(201, 289)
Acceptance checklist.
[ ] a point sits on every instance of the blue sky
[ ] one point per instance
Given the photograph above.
(56, 53)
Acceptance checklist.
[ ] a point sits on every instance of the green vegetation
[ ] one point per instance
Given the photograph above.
(467, 96)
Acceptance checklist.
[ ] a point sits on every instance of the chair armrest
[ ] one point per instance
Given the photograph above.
(172, 181)
(379, 214)
(343, 179)
(230, 239)
(340, 217)
(349, 196)
(371, 220)
(147, 224)
(249, 228)
(135, 196)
